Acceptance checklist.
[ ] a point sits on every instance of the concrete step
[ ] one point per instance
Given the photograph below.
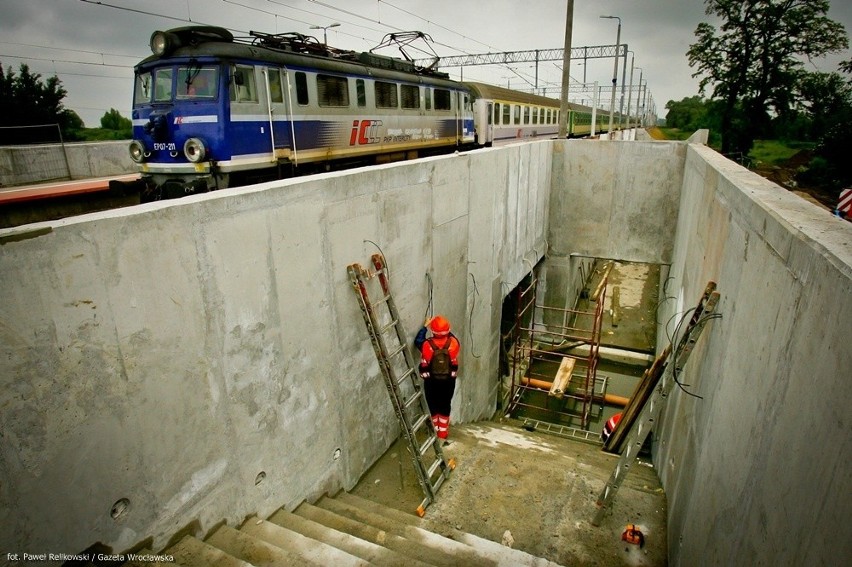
(372, 552)
(192, 552)
(378, 536)
(256, 551)
(457, 553)
(502, 555)
(312, 551)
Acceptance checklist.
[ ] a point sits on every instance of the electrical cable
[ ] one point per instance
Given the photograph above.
(429, 307)
(687, 337)
(470, 318)
(387, 266)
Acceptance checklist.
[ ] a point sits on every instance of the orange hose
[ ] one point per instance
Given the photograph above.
(611, 399)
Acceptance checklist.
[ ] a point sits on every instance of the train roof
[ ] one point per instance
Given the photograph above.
(494, 92)
(483, 90)
(288, 49)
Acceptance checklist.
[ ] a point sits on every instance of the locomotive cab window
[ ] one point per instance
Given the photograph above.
(163, 85)
(332, 91)
(142, 89)
(386, 95)
(243, 85)
(195, 82)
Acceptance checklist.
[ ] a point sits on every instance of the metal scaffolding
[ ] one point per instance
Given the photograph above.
(559, 359)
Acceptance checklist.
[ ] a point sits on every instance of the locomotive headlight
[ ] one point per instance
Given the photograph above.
(194, 150)
(137, 151)
(162, 42)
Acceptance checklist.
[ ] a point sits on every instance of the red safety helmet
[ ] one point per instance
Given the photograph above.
(440, 326)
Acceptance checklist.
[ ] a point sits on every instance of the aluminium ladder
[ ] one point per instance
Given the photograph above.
(653, 406)
(402, 377)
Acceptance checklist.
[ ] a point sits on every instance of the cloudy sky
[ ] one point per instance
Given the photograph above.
(92, 45)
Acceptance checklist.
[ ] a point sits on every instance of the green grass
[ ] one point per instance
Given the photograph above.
(774, 152)
(675, 133)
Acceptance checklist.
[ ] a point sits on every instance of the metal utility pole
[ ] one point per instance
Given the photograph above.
(614, 72)
(630, 90)
(639, 98)
(566, 71)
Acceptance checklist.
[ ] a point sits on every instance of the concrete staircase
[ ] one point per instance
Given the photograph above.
(342, 531)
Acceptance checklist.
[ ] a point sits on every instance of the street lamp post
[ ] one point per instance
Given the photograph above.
(614, 71)
(325, 31)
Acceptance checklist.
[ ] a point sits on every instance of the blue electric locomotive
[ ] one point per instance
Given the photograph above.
(211, 111)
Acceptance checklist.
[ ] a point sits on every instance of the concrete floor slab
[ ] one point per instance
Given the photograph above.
(535, 489)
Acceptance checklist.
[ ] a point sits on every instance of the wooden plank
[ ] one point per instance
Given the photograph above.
(563, 377)
(641, 393)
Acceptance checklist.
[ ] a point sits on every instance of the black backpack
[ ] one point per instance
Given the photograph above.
(439, 366)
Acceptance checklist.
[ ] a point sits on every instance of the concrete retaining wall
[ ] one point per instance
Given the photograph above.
(21, 165)
(757, 470)
(170, 353)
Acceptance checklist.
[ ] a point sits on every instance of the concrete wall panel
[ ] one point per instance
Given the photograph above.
(616, 200)
(206, 358)
(757, 461)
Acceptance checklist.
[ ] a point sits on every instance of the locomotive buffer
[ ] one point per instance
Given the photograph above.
(402, 378)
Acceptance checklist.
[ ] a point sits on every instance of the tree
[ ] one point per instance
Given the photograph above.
(26, 100)
(688, 114)
(113, 120)
(755, 61)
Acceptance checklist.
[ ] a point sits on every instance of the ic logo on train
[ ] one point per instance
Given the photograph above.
(365, 132)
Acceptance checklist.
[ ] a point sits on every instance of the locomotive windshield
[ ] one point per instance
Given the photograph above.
(193, 83)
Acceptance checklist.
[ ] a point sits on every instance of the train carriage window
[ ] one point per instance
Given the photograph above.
(507, 114)
(243, 86)
(410, 96)
(332, 91)
(428, 99)
(163, 85)
(517, 117)
(496, 113)
(443, 100)
(302, 88)
(526, 115)
(361, 92)
(535, 115)
(142, 90)
(276, 93)
(387, 95)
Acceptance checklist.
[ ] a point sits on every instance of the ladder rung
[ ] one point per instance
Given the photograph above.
(396, 351)
(382, 299)
(420, 421)
(434, 467)
(428, 443)
(388, 326)
(410, 401)
(402, 378)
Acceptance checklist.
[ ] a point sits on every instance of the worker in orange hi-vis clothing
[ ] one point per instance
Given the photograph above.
(439, 366)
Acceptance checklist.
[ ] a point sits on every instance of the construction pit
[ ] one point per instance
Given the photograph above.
(198, 369)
